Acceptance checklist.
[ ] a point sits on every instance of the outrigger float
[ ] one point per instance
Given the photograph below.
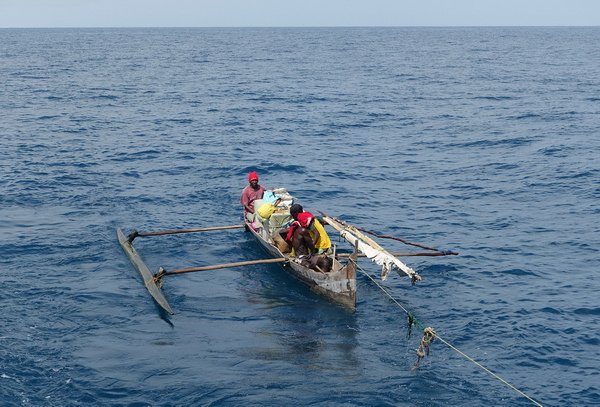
(338, 285)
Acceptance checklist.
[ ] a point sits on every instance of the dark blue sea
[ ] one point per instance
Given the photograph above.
(485, 141)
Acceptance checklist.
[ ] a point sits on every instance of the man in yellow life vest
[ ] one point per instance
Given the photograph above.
(320, 240)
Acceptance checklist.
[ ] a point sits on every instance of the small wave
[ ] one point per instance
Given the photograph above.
(519, 272)
(587, 311)
(105, 97)
(591, 340)
(185, 156)
(267, 98)
(180, 121)
(495, 98)
(561, 361)
(505, 166)
(310, 99)
(550, 310)
(556, 151)
(138, 155)
(583, 174)
(132, 174)
(271, 168)
(515, 141)
(339, 175)
(22, 76)
(233, 123)
(524, 116)
(182, 169)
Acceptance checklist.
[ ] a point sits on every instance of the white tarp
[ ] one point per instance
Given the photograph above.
(382, 258)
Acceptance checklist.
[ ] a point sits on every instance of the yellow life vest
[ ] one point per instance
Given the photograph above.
(324, 242)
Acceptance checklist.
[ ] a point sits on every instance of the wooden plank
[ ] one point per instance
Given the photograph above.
(225, 266)
(147, 276)
(195, 230)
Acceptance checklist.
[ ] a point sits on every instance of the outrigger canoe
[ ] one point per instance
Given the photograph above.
(337, 285)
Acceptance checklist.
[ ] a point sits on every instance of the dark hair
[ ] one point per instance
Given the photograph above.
(295, 209)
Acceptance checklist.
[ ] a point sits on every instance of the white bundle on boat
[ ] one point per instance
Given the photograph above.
(379, 256)
(286, 200)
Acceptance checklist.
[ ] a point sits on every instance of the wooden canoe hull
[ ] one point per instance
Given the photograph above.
(338, 285)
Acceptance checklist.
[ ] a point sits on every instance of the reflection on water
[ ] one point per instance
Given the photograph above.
(304, 328)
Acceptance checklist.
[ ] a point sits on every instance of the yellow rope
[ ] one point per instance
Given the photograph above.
(429, 334)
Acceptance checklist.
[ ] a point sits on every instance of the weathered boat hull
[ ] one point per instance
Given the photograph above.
(338, 285)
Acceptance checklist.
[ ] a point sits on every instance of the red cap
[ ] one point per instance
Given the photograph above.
(252, 176)
(305, 218)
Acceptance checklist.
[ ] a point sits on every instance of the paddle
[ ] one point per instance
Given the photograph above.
(135, 233)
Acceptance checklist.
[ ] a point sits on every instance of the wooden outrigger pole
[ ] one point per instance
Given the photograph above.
(135, 233)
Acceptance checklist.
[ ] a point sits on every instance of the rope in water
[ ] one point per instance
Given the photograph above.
(430, 334)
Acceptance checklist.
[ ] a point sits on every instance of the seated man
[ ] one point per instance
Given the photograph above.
(302, 241)
(320, 239)
(251, 193)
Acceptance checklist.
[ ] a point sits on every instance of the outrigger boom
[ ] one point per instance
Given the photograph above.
(153, 281)
(338, 285)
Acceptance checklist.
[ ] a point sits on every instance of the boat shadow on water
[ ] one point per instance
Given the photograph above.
(300, 323)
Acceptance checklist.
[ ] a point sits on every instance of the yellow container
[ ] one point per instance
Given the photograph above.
(266, 210)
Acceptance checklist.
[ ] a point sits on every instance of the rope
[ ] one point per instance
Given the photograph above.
(406, 242)
(488, 370)
(429, 335)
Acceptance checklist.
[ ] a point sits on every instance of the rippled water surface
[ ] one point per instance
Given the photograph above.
(484, 141)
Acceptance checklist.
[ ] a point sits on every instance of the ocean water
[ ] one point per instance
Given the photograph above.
(481, 140)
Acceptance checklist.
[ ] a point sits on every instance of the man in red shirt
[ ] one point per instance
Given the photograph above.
(251, 193)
